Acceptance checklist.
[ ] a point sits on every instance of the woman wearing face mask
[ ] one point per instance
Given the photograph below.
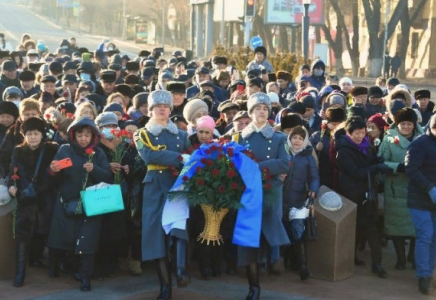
(357, 165)
(397, 221)
(269, 148)
(33, 213)
(113, 238)
(301, 181)
(322, 140)
(77, 234)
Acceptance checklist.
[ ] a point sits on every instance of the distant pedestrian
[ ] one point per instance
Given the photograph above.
(395, 64)
(4, 44)
(387, 66)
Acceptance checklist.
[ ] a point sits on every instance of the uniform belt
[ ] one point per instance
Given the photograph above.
(156, 168)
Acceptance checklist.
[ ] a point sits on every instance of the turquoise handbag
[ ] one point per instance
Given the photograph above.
(102, 200)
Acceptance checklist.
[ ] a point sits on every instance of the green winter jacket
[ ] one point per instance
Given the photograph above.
(393, 149)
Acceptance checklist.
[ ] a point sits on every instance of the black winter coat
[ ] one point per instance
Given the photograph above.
(353, 167)
(79, 234)
(33, 216)
(326, 169)
(420, 165)
(12, 138)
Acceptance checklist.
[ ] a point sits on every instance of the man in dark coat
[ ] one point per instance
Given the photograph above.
(421, 201)
(178, 89)
(375, 103)
(27, 82)
(202, 75)
(9, 74)
(426, 106)
(317, 77)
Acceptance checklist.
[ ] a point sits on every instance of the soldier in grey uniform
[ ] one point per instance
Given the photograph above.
(160, 145)
(268, 147)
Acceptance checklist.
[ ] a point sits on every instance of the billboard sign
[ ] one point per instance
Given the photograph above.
(233, 10)
(288, 12)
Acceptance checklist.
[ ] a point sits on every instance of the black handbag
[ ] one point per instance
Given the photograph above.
(311, 227)
(29, 193)
(73, 207)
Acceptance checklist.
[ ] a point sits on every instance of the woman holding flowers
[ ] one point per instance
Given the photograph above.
(77, 233)
(33, 214)
(397, 221)
(268, 148)
(160, 145)
(113, 238)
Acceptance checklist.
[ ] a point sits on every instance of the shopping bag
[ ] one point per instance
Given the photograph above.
(102, 199)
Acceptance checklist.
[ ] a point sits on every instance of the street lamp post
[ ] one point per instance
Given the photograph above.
(306, 20)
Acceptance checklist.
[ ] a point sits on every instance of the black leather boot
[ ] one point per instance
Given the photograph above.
(400, 249)
(424, 285)
(53, 266)
(253, 281)
(215, 260)
(163, 271)
(204, 260)
(22, 252)
(183, 278)
(302, 263)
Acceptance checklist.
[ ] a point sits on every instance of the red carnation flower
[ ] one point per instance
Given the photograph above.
(70, 116)
(215, 172)
(231, 173)
(15, 177)
(48, 116)
(89, 151)
(185, 178)
(230, 151)
(209, 162)
(198, 169)
(200, 181)
(234, 186)
(221, 189)
(203, 161)
(219, 149)
(213, 148)
(220, 156)
(231, 165)
(208, 152)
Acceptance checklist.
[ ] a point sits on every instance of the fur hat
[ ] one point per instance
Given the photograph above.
(160, 97)
(358, 90)
(176, 87)
(260, 49)
(193, 107)
(33, 124)
(405, 114)
(140, 99)
(9, 108)
(297, 107)
(283, 75)
(241, 114)
(422, 94)
(257, 99)
(206, 122)
(290, 121)
(356, 111)
(228, 104)
(308, 101)
(335, 114)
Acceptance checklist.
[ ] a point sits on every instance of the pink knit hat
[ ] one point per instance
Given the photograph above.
(206, 122)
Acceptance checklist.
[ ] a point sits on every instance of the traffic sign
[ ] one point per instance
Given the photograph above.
(255, 42)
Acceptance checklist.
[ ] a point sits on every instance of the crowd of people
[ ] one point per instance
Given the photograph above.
(367, 144)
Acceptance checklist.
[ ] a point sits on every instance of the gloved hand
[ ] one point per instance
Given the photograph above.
(185, 158)
(432, 194)
(401, 168)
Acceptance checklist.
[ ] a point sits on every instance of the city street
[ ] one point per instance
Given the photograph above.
(18, 19)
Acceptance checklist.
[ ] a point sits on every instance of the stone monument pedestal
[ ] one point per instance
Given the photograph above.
(331, 257)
